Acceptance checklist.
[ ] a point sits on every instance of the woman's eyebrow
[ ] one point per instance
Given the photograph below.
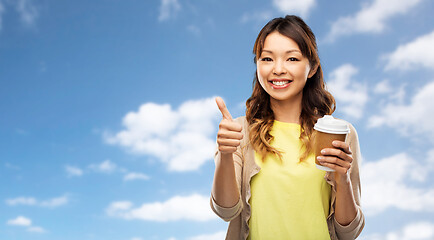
(289, 51)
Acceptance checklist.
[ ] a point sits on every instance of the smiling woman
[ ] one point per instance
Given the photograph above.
(282, 64)
(265, 182)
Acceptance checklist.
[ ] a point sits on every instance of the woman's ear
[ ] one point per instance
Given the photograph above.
(312, 71)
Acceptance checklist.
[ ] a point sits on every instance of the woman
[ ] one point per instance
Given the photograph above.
(265, 180)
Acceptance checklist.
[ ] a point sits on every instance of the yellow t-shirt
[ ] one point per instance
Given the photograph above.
(290, 199)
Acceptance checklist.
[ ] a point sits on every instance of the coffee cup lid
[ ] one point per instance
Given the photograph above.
(329, 124)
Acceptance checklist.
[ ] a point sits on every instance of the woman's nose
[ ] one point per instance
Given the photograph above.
(279, 68)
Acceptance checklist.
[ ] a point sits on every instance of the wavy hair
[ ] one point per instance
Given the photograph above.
(316, 100)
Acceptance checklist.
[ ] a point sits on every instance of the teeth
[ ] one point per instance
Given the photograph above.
(279, 83)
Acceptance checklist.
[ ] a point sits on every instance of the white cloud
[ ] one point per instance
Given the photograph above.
(25, 222)
(28, 12)
(383, 87)
(297, 7)
(2, 10)
(105, 167)
(390, 182)
(21, 201)
(430, 157)
(214, 236)
(182, 138)
(36, 229)
(168, 9)
(20, 221)
(420, 230)
(351, 95)
(73, 171)
(11, 166)
(415, 117)
(115, 207)
(418, 53)
(194, 208)
(21, 132)
(136, 238)
(194, 29)
(392, 92)
(25, 8)
(256, 16)
(371, 18)
(413, 231)
(55, 202)
(51, 203)
(135, 176)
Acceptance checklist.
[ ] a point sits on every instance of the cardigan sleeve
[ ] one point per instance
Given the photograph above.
(227, 214)
(353, 230)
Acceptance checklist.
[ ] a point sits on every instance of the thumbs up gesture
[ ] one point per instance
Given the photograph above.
(229, 135)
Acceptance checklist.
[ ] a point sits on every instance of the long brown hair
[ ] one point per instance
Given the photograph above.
(316, 100)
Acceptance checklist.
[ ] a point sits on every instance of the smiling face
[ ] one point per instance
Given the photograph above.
(282, 69)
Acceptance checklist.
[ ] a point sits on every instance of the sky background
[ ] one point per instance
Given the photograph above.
(108, 119)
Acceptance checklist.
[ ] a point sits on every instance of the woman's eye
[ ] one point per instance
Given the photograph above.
(266, 59)
(292, 59)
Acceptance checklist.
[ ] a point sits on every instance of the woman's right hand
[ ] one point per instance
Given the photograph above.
(230, 132)
(225, 189)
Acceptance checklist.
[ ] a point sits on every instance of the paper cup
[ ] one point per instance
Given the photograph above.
(328, 129)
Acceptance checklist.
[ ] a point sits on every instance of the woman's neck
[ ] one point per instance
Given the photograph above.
(286, 111)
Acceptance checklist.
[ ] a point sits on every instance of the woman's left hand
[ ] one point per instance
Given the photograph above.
(338, 158)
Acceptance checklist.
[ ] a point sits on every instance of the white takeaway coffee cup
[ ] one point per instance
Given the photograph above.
(328, 129)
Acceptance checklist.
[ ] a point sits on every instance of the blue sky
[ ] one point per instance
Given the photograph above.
(108, 120)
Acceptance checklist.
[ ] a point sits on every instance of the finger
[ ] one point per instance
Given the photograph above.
(230, 125)
(337, 153)
(228, 142)
(334, 160)
(342, 145)
(229, 134)
(223, 109)
(227, 149)
(337, 168)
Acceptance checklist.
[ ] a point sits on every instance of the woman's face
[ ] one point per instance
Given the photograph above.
(282, 69)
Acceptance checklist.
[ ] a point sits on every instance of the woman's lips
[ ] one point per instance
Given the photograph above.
(280, 83)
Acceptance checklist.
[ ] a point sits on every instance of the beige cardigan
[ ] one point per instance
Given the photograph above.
(246, 168)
